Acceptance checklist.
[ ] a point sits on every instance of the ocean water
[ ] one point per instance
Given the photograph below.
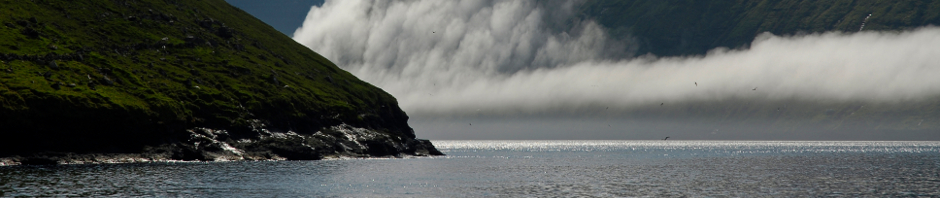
(527, 169)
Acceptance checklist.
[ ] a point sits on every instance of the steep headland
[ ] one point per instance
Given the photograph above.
(150, 80)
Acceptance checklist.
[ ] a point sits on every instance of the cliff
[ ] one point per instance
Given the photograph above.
(151, 80)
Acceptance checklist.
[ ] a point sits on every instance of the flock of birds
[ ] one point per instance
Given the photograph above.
(696, 84)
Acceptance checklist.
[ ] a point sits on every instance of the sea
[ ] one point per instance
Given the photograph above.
(526, 169)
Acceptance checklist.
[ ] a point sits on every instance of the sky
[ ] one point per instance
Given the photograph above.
(284, 15)
(494, 69)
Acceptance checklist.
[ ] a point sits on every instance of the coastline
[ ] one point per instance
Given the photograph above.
(209, 145)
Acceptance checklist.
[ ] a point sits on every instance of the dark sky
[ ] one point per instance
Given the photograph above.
(284, 15)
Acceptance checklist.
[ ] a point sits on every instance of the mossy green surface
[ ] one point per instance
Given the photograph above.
(153, 66)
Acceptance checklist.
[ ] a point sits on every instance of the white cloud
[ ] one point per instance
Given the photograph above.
(459, 57)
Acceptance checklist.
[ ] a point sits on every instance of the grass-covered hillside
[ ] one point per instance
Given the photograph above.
(686, 27)
(111, 75)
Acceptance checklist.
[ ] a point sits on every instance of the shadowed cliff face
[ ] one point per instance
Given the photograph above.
(151, 77)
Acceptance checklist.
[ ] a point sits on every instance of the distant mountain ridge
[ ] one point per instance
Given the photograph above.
(692, 28)
(684, 27)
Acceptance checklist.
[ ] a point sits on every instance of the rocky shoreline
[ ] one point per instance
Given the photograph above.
(204, 144)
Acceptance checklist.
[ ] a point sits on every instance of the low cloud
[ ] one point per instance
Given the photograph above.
(468, 57)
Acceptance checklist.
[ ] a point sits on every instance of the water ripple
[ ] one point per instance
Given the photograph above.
(717, 147)
(526, 169)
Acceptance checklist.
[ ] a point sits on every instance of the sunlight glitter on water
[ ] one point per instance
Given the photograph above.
(527, 169)
(729, 147)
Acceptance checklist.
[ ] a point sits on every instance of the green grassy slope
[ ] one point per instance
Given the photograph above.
(685, 27)
(125, 72)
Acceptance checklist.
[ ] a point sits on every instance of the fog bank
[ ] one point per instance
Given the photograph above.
(473, 57)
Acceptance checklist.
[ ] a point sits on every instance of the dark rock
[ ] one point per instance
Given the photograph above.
(106, 80)
(53, 65)
(30, 32)
(193, 41)
(205, 24)
(225, 32)
(40, 161)
(423, 147)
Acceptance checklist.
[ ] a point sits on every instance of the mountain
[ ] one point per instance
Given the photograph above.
(692, 28)
(150, 80)
(685, 27)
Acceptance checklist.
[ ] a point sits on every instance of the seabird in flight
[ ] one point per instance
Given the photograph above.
(696, 84)
(755, 89)
(661, 104)
(667, 137)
